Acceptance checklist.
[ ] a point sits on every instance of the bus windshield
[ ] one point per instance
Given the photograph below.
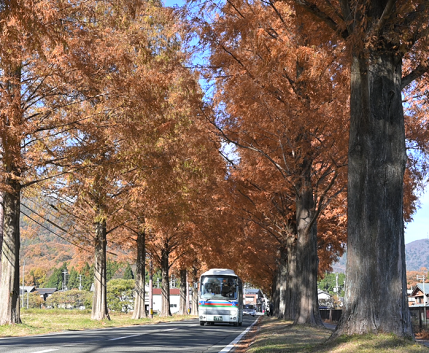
(219, 287)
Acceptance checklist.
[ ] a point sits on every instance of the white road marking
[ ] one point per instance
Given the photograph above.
(47, 350)
(141, 334)
(121, 338)
(237, 339)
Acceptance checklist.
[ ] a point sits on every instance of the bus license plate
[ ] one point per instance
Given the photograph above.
(217, 318)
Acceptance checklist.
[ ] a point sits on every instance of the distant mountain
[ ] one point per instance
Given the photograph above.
(340, 265)
(417, 254)
(416, 257)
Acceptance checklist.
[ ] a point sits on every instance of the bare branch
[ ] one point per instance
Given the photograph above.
(414, 75)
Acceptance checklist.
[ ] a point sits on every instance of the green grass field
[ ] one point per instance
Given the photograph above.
(41, 321)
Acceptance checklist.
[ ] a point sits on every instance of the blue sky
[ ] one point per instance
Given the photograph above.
(419, 227)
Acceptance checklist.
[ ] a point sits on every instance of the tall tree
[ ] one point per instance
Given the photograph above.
(276, 100)
(380, 37)
(38, 76)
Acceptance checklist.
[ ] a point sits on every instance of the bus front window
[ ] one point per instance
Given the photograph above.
(214, 287)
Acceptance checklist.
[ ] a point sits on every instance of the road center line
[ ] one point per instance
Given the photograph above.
(140, 334)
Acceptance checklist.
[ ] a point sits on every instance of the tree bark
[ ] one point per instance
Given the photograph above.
(11, 158)
(306, 252)
(1, 226)
(275, 294)
(183, 309)
(292, 289)
(150, 289)
(194, 310)
(9, 285)
(375, 298)
(139, 300)
(99, 302)
(165, 286)
(281, 286)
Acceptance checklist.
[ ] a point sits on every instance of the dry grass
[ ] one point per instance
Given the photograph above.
(275, 336)
(42, 321)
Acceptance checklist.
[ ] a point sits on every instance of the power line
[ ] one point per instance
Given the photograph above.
(49, 230)
(55, 225)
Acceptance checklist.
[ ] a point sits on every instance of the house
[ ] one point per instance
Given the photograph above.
(421, 290)
(325, 299)
(157, 299)
(254, 296)
(411, 300)
(45, 293)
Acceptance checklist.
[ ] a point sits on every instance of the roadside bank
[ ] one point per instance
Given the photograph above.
(271, 335)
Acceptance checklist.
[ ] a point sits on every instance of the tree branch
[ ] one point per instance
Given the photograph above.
(413, 75)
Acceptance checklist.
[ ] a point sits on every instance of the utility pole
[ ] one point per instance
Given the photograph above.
(336, 284)
(64, 282)
(424, 295)
(23, 283)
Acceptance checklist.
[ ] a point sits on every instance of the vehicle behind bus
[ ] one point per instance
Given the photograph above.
(220, 297)
(249, 309)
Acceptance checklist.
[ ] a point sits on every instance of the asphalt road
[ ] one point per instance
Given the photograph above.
(183, 336)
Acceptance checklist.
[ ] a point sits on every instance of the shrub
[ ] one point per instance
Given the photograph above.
(120, 295)
(70, 299)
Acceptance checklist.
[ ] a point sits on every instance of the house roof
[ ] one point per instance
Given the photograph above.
(421, 288)
(46, 290)
(252, 291)
(27, 289)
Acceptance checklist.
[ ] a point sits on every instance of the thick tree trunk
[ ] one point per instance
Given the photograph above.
(194, 309)
(375, 298)
(281, 286)
(275, 294)
(183, 309)
(139, 300)
(165, 286)
(306, 252)
(99, 302)
(1, 227)
(150, 290)
(11, 158)
(292, 287)
(9, 285)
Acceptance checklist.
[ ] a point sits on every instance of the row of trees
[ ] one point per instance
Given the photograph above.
(311, 93)
(100, 124)
(102, 117)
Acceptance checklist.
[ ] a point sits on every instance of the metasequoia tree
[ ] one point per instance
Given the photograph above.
(282, 101)
(1, 225)
(93, 189)
(38, 76)
(269, 231)
(387, 44)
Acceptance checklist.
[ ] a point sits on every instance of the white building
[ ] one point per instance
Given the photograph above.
(157, 299)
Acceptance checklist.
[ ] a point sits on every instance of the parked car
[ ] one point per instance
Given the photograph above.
(249, 309)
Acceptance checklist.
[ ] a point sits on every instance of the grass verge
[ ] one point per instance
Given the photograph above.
(42, 321)
(275, 336)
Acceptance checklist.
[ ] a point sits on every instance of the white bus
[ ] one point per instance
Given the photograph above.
(220, 297)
